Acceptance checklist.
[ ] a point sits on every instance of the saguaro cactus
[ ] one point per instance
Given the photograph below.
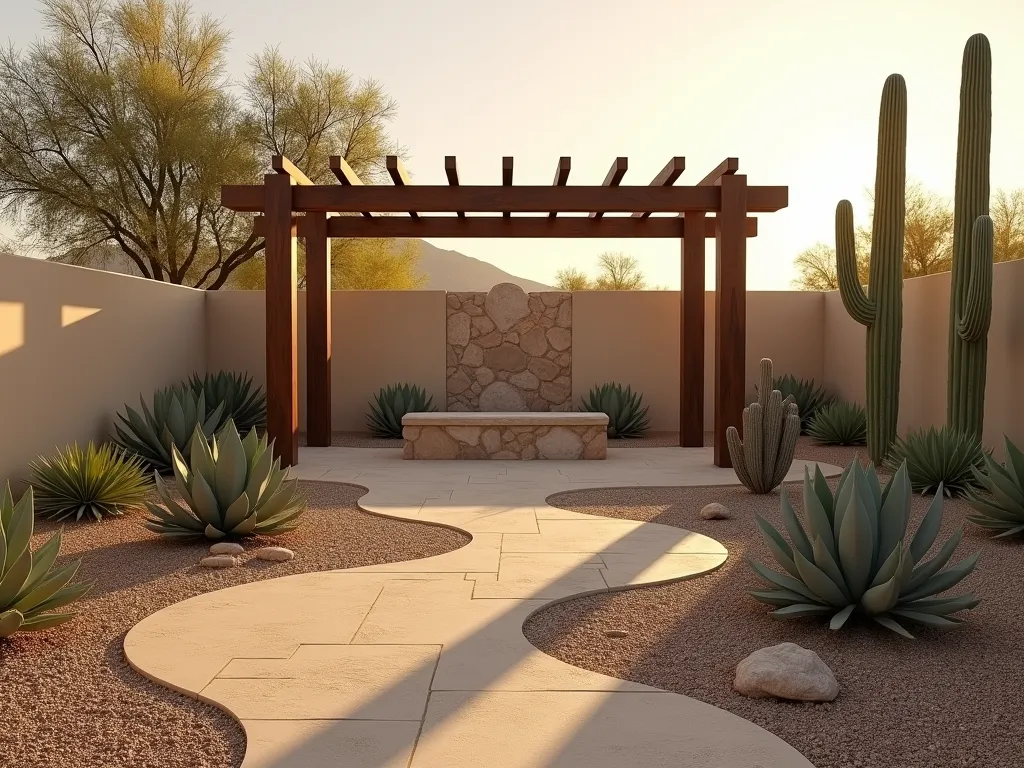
(970, 303)
(881, 310)
(770, 429)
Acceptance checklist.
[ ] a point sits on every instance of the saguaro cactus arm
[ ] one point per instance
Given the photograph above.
(861, 308)
(972, 324)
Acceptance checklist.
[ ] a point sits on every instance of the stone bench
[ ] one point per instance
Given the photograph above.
(468, 435)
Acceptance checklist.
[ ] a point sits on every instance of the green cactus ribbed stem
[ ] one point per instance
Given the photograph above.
(971, 292)
(881, 310)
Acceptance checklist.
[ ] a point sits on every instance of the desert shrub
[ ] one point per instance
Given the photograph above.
(934, 457)
(998, 497)
(391, 403)
(839, 423)
(91, 482)
(627, 415)
(244, 403)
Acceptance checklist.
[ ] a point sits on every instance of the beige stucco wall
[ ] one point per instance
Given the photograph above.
(378, 338)
(633, 337)
(77, 344)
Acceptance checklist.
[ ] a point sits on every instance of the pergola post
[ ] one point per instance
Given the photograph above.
(730, 312)
(282, 319)
(318, 331)
(691, 332)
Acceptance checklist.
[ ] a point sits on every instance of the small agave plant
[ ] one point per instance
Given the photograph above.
(627, 416)
(999, 497)
(243, 402)
(231, 487)
(176, 413)
(28, 589)
(852, 557)
(391, 404)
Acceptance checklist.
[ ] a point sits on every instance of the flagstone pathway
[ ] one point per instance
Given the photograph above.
(423, 664)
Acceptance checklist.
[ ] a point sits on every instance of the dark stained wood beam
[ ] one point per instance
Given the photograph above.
(400, 177)
(282, 319)
(561, 177)
(451, 170)
(666, 178)
(727, 167)
(284, 166)
(346, 176)
(691, 330)
(612, 178)
(318, 330)
(497, 226)
(445, 199)
(730, 313)
(506, 178)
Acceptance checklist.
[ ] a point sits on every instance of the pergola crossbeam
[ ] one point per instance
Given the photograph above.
(451, 170)
(727, 167)
(612, 179)
(286, 167)
(561, 177)
(398, 174)
(346, 176)
(666, 178)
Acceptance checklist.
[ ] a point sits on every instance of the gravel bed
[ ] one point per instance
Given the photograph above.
(69, 699)
(945, 699)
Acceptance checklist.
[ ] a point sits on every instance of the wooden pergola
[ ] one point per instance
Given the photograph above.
(717, 206)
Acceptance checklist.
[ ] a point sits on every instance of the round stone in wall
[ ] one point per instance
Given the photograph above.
(501, 396)
(560, 443)
(458, 329)
(506, 304)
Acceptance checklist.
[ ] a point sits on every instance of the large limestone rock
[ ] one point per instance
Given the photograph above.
(560, 443)
(501, 396)
(715, 511)
(786, 671)
(506, 305)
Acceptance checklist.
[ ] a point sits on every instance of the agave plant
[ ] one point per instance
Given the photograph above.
(808, 397)
(232, 487)
(627, 416)
(391, 404)
(89, 483)
(244, 403)
(999, 497)
(177, 411)
(851, 556)
(28, 589)
(945, 457)
(839, 423)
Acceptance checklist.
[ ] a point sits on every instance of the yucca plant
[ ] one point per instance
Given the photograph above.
(839, 423)
(808, 397)
(627, 415)
(849, 555)
(177, 411)
(90, 482)
(28, 589)
(230, 487)
(391, 404)
(945, 457)
(999, 496)
(244, 403)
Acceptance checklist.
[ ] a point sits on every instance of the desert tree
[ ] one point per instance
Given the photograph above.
(619, 271)
(572, 279)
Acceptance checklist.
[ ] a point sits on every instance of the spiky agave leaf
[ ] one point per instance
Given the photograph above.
(229, 488)
(999, 496)
(176, 413)
(944, 457)
(808, 396)
(28, 588)
(90, 482)
(244, 403)
(849, 556)
(839, 423)
(391, 403)
(627, 415)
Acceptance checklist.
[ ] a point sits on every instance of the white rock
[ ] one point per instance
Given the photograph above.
(226, 548)
(786, 671)
(715, 511)
(219, 561)
(275, 554)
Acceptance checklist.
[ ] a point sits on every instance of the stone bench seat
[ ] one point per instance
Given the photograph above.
(505, 436)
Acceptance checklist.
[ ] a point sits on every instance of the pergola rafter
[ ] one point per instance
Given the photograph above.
(717, 207)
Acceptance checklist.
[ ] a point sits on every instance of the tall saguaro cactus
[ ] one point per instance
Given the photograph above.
(970, 303)
(881, 310)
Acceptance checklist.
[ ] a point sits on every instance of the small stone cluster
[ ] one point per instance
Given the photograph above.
(534, 441)
(509, 351)
(227, 554)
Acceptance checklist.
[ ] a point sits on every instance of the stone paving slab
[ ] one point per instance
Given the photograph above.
(424, 664)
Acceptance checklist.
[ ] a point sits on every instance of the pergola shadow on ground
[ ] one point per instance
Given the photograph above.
(717, 206)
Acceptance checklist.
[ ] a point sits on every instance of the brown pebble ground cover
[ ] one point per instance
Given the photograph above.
(69, 699)
(946, 699)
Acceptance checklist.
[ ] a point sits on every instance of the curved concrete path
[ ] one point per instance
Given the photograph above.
(423, 664)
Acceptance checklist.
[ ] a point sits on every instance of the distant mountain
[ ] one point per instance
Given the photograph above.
(456, 272)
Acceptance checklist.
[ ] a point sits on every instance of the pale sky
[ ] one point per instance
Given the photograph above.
(790, 87)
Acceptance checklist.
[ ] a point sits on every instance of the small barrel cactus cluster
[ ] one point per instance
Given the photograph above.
(771, 427)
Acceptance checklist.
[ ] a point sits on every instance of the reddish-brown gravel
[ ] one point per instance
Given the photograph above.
(69, 700)
(945, 699)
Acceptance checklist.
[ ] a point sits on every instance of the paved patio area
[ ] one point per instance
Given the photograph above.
(423, 664)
